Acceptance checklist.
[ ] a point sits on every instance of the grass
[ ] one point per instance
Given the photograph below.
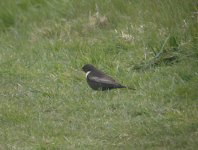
(45, 102)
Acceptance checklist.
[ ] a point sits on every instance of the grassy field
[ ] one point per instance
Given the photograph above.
(45, 102)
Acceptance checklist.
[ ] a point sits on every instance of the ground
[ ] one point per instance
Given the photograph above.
(45, 102)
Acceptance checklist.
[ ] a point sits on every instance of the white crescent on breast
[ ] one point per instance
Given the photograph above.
(88, 73)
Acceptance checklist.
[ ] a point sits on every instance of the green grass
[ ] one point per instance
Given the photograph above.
(45, 102)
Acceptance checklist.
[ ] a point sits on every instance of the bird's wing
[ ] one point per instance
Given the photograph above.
(101, 79)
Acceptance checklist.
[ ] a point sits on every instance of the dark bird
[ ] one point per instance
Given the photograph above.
(98, 80)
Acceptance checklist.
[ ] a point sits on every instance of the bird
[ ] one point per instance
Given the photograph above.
(98, 80)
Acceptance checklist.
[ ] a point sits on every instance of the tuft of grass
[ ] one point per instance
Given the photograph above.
(45, 102)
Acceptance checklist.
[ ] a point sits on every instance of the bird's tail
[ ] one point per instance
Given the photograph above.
(130, 88)
(127, 87)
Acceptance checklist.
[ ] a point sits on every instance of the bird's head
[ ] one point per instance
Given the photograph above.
(88, 67)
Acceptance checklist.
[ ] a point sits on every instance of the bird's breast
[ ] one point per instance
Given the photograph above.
(88, 73)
